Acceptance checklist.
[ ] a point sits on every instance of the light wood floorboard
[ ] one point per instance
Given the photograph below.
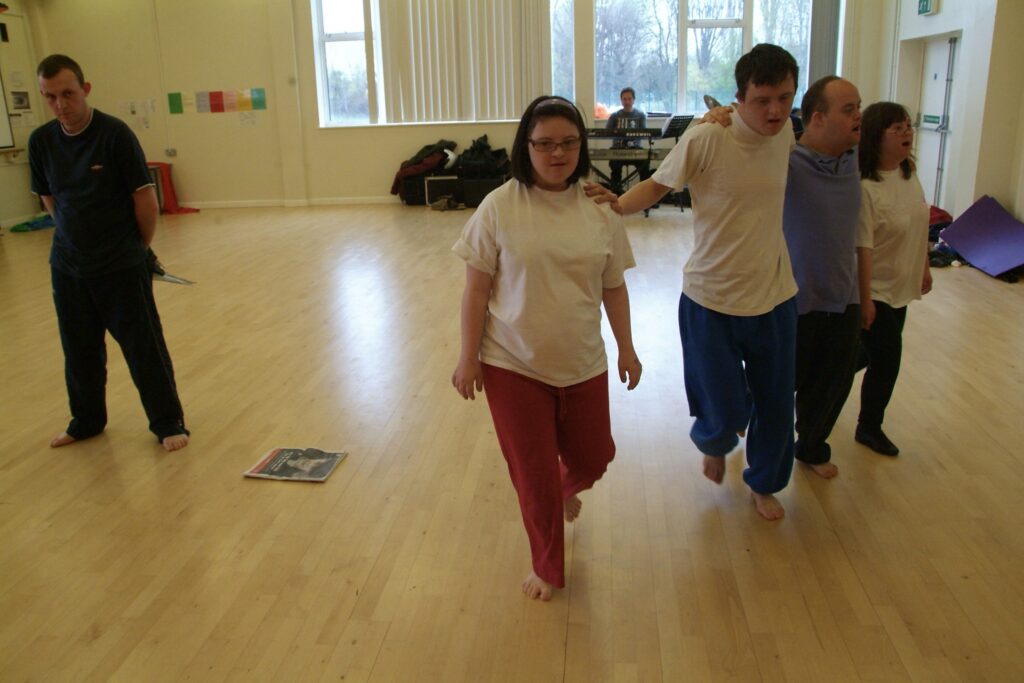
(338, 328)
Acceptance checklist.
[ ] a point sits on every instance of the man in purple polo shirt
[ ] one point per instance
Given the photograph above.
(820, 223)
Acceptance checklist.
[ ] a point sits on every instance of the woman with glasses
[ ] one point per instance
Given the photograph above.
(892, 254)
(541, 258)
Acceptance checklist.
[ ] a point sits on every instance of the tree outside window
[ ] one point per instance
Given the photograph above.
(636, 45)
(563, 55)
(786, 23)
(346, 82)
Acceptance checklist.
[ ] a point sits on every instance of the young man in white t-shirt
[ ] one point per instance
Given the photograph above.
(737, 312)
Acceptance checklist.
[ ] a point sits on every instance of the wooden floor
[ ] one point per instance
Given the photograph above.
(338, 328)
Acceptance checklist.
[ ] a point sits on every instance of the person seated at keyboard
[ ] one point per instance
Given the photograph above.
(627, 117)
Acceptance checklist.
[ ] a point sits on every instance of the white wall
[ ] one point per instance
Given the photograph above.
(285, 158)
(868, 31)
(985, 155)
(18, 67)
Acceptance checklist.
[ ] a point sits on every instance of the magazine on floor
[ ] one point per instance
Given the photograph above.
(296, 464)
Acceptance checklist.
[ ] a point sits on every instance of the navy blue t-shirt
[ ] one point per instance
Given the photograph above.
(91, 177)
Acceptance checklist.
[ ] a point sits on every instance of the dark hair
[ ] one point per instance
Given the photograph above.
(543, 107)
(54, 64)
(814, 99)
(765, 64)
(629, 90)
(873, 124)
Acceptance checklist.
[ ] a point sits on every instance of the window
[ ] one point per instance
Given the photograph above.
(714, 42)
(638, 44)
(342, 64)
(563, 53)
(786, 23)
(401, 61)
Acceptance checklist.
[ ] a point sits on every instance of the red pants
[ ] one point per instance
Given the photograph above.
(557, 442)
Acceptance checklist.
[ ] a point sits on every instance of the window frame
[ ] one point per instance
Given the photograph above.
(321, 39)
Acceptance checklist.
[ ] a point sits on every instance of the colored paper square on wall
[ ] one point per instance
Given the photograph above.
(245, 100)
(230, 100)
(174, 102)
(216, 101)
(188, 102)
(203, 102)
(259, 98)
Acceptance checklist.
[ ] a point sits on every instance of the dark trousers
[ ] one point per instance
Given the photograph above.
(826, 357)
(121, 303)
(643, 171)
(884, 346)
(738, 372)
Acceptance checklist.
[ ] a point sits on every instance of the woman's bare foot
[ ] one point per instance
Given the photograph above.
(175, 442)
(62, 439)
(768, 506)
(571, 508)
(536, 587)
(714, 468)
(825, 470)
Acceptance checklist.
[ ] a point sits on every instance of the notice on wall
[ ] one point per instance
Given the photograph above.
(217, 101)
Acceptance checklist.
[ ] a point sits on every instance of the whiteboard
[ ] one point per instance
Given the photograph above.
(6, 134)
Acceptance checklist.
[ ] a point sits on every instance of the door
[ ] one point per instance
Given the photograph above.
(934, 124)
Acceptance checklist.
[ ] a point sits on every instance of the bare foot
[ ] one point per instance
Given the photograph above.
(571, 508)
(536, 587)
(714, 468)
(62, 439)
(825, 470)
(175, 442)
(768, 506)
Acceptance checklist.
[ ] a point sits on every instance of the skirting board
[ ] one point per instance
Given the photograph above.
(291, 203)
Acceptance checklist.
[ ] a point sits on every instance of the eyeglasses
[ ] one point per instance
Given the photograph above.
(900, 129)
(548, 146)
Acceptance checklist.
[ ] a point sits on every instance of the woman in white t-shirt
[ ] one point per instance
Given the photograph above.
(892, 254)
(541, 258)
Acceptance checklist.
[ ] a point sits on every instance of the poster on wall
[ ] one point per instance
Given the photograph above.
(6, 132)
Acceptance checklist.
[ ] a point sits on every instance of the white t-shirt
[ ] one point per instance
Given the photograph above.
(551, 255)
(737, 178)
(894, 225)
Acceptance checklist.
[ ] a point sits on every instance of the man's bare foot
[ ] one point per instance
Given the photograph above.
(62, 439)
(175, 442)
(768, 506)
(571, 508)
(825, 470)
(536, 587)
(714, 468)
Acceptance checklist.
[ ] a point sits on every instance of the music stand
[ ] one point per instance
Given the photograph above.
(676, 126)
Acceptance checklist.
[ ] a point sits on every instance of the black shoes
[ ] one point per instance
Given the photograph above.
(876, 440)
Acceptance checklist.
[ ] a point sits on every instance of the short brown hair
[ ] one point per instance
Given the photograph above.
(815, 100)
(765, 64)
(54, 64)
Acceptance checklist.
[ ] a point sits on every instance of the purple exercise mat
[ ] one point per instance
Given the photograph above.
(987, 236)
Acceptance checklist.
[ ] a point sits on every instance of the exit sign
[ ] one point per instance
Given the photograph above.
(927, 6)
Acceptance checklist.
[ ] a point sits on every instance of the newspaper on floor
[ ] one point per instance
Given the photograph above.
(296, 464)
